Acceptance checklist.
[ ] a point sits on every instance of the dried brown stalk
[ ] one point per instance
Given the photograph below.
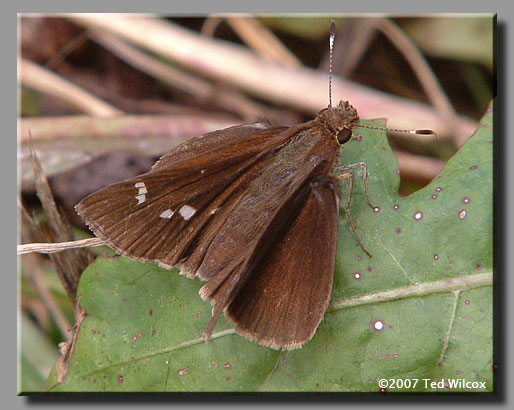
(261, 39)
(303, 88)
(65, 142)
(39, 78)
(70, 264)
(230, 100)
(58, 247)
(419, 65)
(210, 25)
(32, 273)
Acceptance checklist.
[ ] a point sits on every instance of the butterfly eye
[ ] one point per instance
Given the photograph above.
(344, 135)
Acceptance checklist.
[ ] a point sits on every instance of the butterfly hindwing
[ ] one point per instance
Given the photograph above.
(285, 297)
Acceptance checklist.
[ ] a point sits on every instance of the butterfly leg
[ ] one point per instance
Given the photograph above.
(345, 168)
(349, 176)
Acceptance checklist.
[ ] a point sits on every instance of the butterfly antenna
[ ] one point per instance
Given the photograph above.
(331, 52)
(416, 132)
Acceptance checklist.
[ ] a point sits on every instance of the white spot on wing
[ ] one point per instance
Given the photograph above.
(168, 213)
(142, 191)
(187, 212)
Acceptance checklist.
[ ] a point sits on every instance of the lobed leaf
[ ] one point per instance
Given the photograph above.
(420, 308)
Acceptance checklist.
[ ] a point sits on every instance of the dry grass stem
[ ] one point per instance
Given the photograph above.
(210, 25)
(303, 88)
(230, 100)
(419, 65)
(58, 247)
(44, 81)
(70, 264)
(32, 272)
(259, 38)
(34, 277)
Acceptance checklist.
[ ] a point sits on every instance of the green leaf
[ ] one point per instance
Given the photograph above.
(420, 308)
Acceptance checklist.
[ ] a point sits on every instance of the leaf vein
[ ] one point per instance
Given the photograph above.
(397, 262)
(187, 343)
(266, 380)
(450, 327)
(418, 289)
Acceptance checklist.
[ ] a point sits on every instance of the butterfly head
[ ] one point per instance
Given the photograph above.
(340, 120)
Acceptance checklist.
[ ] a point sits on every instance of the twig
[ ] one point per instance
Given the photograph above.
(150, 65)
(58, 247)
(229, 100)
(38, 78)
(261, 39)
(303, 88)
(210, 25)
(66, 50)
(131, 129)
(69, 265)
(425, 75)
(33, 275)
(65, 142)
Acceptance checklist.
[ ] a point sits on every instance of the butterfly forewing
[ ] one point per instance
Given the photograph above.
(155, 216)
(218, 141)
